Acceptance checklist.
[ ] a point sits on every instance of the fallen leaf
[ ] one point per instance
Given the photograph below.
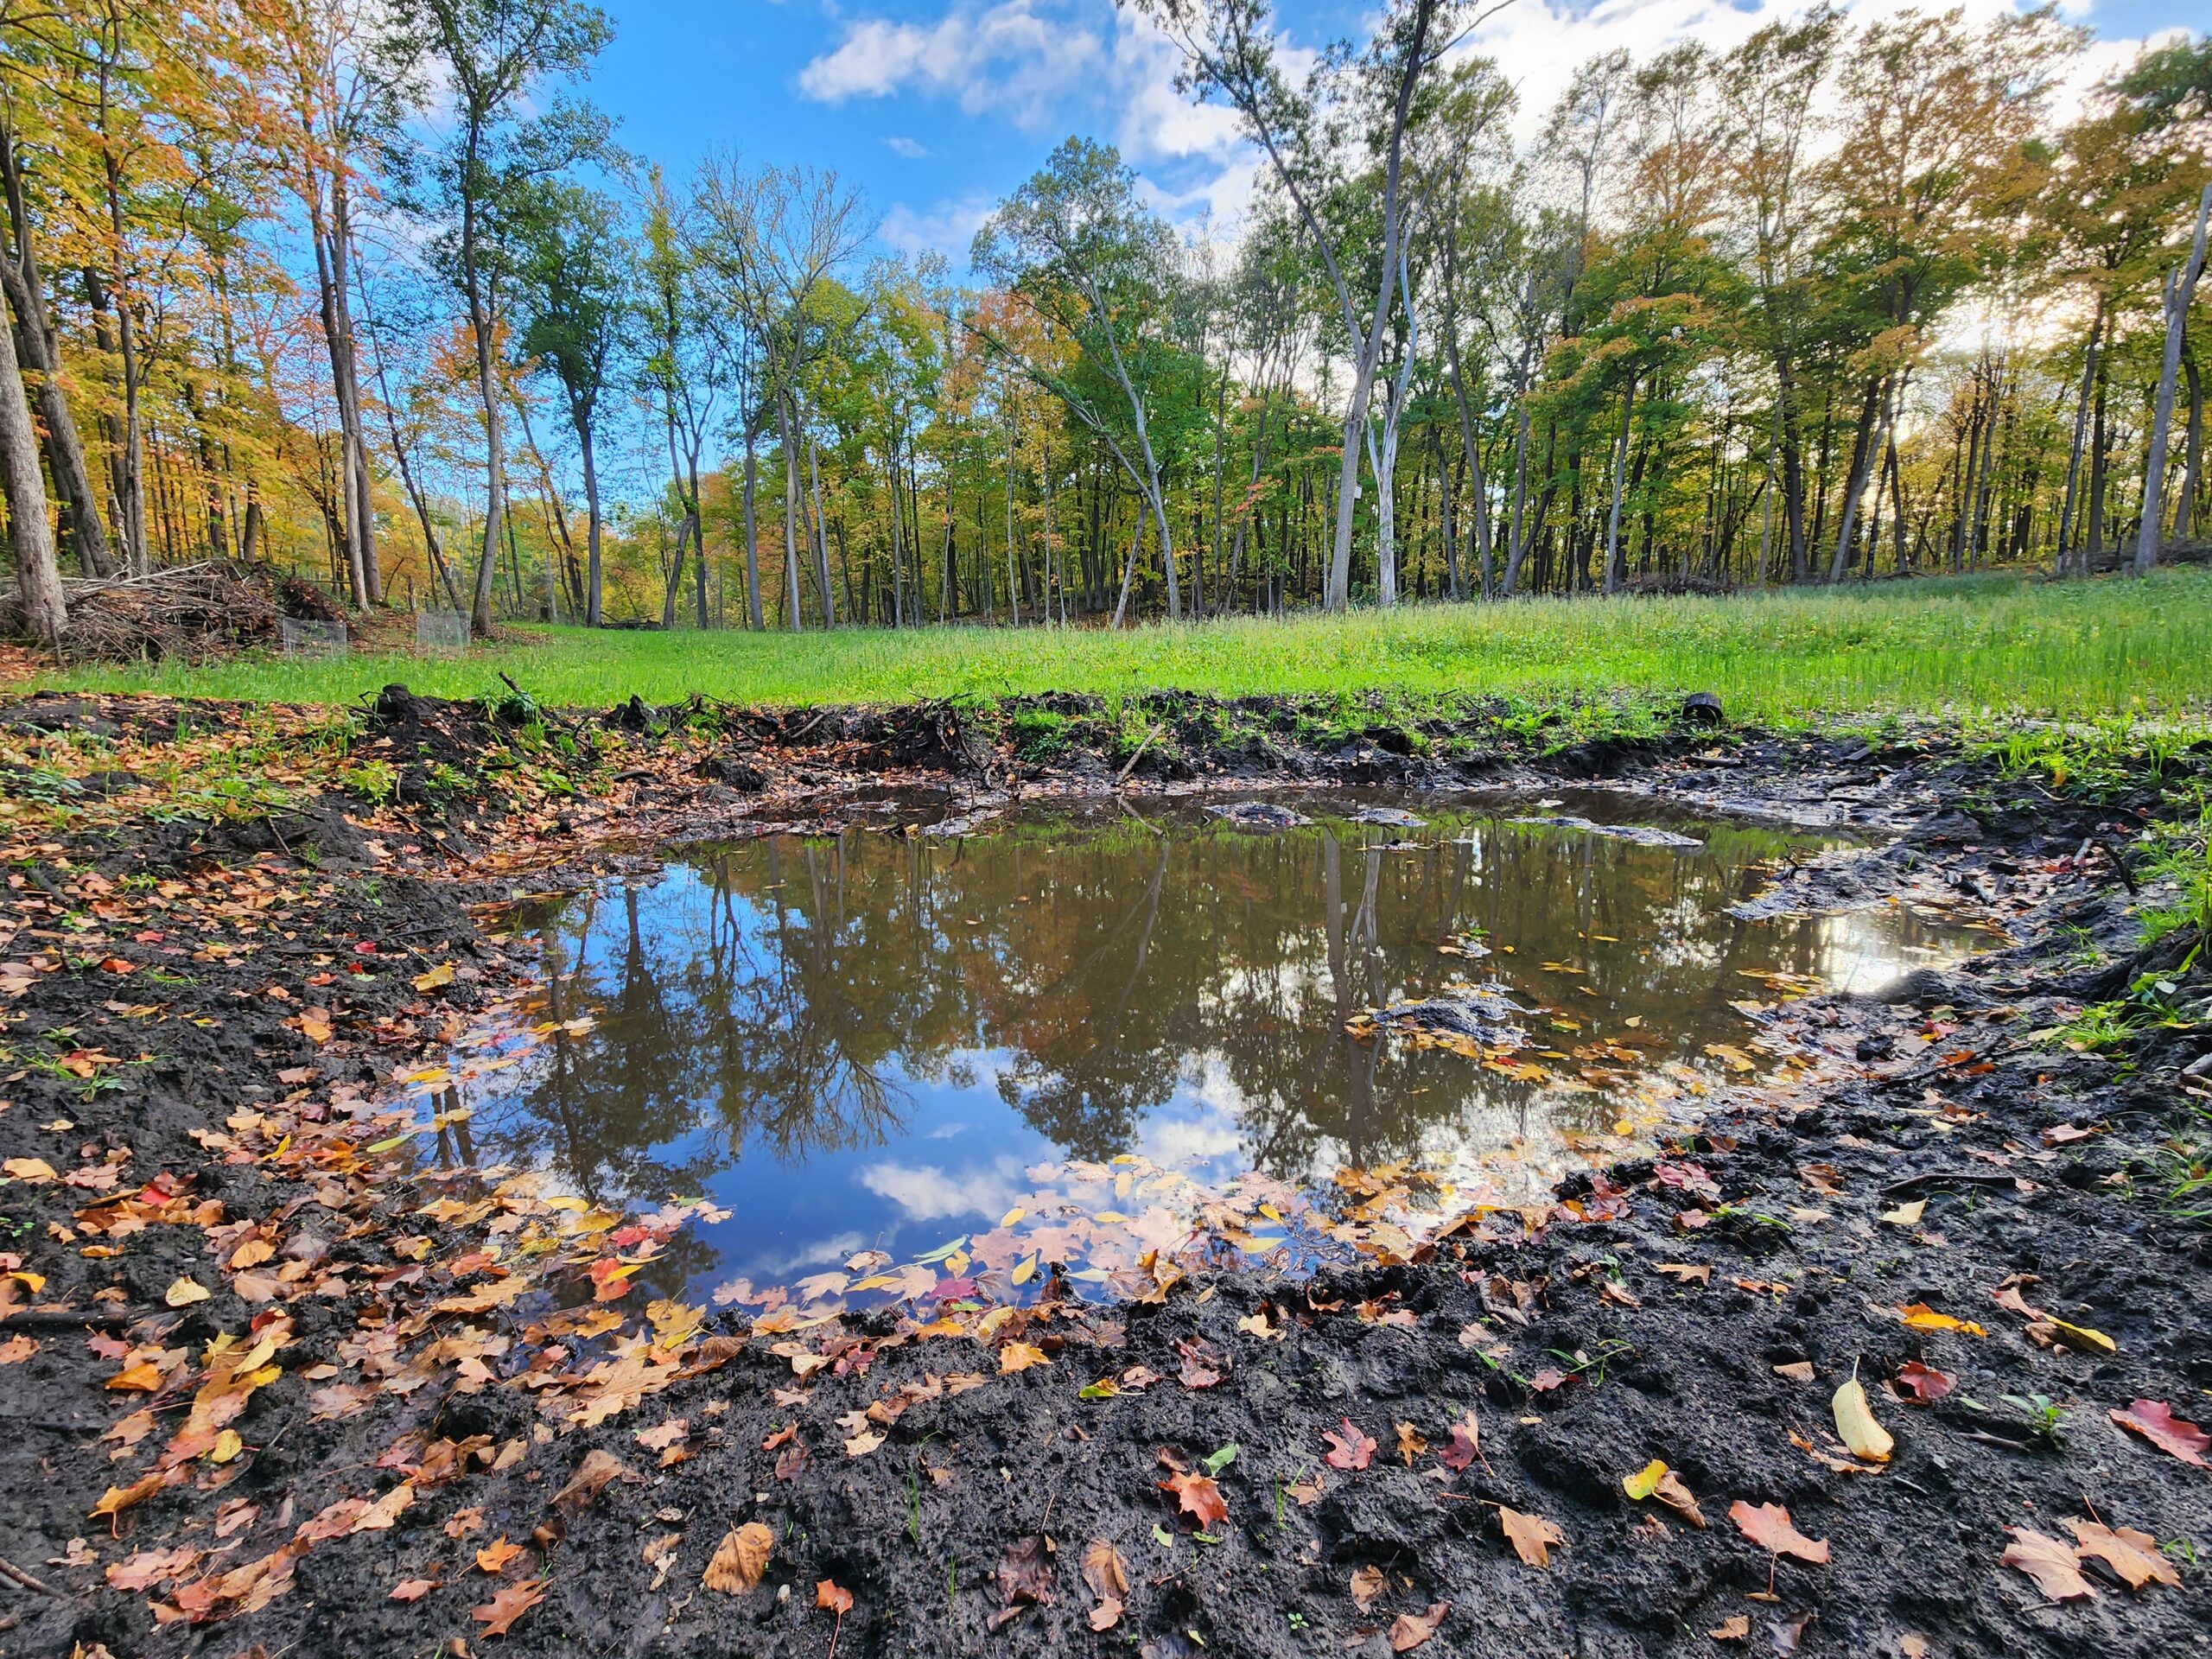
(1906, 1215)
(413, 1589)
(2047, 1331)
(2050, 1563)
(494, 1556)
(1020, 1357)
(739, 1560)
(2134, 1555)
(1645, 1481)
(1924, 1383)
(1921, 1317)
(592, 1477)
(832, 1597)
(1197, 1495)
(384, 1514)
(1855, 1425)
(1410, 1631)
(1466, 1443)
(1677, 1497)
(1024, 1577)
(185, 1292)
(149, 1566)
(2155, 1421)
(1531, 1535)
(1107, 1574)
(497, 1616)
(1410, 1444)
(1736, 1627)
(441, 975)
(1686, 1273)
(863, 1443)
(16, 1350)
(1769, 1527)
(1350, 1450)
(1797, 1370)
(1368, 1584)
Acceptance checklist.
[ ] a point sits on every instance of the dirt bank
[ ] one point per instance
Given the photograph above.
(294, 1370)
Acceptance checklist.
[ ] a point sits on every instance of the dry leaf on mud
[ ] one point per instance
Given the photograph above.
(1410, 1631)
(1350, 1450)
(1466, 1443)
(497, 1616)
(185, 1292)
(1531, 1535)
(384, 1514)
(1924, 1383)
(2050, 1563)
(1906, 1215)
(1307, 1492)
(412, 1589)
(739, 1560)
(1797, 1370)
(1197, 1495)
(1855, 1425)
(832, 1597)
(592, 1477)
(1024, 1577)
(1736, 1627)
(1108, 1575)
(1677, 1497)
(1368, 1584)
(1645, 1481)
(1919, 1316)
(494, 1556)
(1410, 1444)
(1020, 1357)
(2133, 1556)
(1769, 1527)
(2155, 1421)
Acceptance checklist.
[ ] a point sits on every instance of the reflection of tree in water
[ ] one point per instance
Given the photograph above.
(781, 991)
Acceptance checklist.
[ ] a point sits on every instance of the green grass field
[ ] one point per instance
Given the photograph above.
(1993, 644)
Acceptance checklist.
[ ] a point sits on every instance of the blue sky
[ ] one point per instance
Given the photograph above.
(936, 108)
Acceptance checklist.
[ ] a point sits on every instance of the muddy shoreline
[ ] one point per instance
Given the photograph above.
(210, 1138)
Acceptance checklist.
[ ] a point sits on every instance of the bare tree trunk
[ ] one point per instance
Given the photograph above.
(2090, 360)
(2180, 293)
(752, 531)
(37, 576)
(1867, 448)
(1620, 468)
(821, 536)
(2193, 457)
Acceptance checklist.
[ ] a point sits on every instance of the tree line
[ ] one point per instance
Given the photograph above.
(371, 291)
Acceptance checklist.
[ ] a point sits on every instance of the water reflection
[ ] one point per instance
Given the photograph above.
(866, 1041)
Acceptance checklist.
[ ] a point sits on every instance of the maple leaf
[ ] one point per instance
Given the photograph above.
(498, 1614)
(739, 1560)
(413, 1589)
(2155, 1421)
(1410, 1444)
(1368, 1584)
(1198, 1494)
(2133, 1556)
(1769, 1527)
(1410, 1631)
(2050, 1563)
(1924, 1383)
(1020, 1357)
(1350, 1450)
(1531, 1535)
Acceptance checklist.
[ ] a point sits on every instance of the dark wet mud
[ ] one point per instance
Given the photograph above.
(300, 1364)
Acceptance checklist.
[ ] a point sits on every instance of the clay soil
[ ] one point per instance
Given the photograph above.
(205, 991)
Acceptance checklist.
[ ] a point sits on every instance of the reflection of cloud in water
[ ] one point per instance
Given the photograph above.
(925, 1192)
(840, 1249)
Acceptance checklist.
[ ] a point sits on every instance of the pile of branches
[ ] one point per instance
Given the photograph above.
(189, 612)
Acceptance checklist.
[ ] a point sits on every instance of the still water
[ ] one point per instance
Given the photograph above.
(876, 1041)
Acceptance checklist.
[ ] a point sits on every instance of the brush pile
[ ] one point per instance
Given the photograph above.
(188, 612)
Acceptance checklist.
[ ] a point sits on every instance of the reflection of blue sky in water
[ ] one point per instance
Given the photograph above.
(884, 1042)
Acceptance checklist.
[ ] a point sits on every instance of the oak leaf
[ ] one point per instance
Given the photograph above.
(497, 1616)
(494, 1556)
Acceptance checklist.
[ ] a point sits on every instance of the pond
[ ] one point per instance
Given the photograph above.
(865, 1047)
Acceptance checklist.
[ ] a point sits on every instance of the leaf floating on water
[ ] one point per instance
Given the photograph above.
(2050, 1563)
(2155, 1421)
(1350, 1450)
(1410, 1631)
(2133, 1556)
(1769, 1527)
(739, 1560)
(1531, 1535)
(1855, 1425)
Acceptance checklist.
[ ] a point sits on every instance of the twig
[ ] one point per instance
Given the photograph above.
(2119, 865)
(1946, 1177)
(10, 1570)
(1122, 776)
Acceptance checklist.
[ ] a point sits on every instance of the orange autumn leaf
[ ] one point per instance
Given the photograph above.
(1531, 1535)
(498, 1615)
(1350, 1450)
(1020, 1357)
(413, 1589)
(1769, 1527)
(1197, 1495)
(494, 1556)
(2155, 1421)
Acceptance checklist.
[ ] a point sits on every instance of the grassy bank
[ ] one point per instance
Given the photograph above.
(1988, 644)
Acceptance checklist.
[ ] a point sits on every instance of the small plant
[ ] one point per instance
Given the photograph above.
(2041, 1416)
(375, 781)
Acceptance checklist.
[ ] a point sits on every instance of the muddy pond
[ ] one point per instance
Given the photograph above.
(865, 1047)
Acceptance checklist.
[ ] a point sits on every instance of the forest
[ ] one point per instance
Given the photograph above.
(374, 293)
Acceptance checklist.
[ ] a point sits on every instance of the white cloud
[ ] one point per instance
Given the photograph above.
(900, 145)
(946, 226)
(1016, 59)
(925, 1192)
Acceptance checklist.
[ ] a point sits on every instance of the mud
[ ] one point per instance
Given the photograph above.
(1580, 1358)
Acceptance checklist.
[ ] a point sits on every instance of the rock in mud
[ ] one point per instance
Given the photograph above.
(1260, 815)
(1643, 834)
(1703, 708)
